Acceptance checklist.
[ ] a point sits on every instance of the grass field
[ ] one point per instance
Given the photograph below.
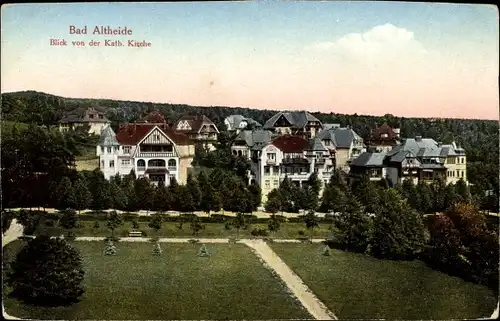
(359, 286)
(87, 164)
(216, 230)
(135, 285)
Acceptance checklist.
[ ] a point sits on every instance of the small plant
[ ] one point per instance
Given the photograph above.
(96, 224)
(70, 236)
(203, 251)
(301, 232)
(135, 224)
(157, 249)
(259, 232)
(326, 251)
(109, 248)
(228, 225)
(179, 226)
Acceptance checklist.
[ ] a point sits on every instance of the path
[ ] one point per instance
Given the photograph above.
(185, 240)
(315, 307)
(15, 231)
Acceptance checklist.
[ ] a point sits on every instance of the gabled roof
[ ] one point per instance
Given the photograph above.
(291, 144)
(196, 123)
(367, 159)
(341, 137)
(315, 144)
(108, 137)
(422, 147)
(297, 119)
(80, 115)
(233, 122)
(254, 137)
(154, 117)
(132, 134)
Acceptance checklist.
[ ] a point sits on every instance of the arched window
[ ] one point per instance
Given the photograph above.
(240, 153)
(141, 163)
(172, 165)
(156, 163)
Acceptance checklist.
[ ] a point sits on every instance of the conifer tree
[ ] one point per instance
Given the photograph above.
(203, 251)
(311, 221)
(114, 221)
(81, 194)
(274, 224)
(156, 222)
(193, 189)
(157, 249)
(109, 248)
(118, 196)
(326, 251)
(238, 222)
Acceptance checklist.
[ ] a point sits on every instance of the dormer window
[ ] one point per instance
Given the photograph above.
(101, 116)
(91, 116)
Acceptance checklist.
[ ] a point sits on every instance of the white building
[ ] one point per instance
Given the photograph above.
(152, 150)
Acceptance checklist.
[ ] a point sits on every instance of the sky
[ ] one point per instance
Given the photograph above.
(372, 58)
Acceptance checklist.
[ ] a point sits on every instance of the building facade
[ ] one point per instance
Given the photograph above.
(93, 118)
(151, 148)
(299, 123)
(344, 143)
(237, 123)
(384, 138)
(199, 129)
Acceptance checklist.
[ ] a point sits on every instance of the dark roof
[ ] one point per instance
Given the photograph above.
(233, 122)
(154, 117)
(315, 144)
(196, 123)
(341, 137)
(132, 134)
(369, 160)
(432, 166)
(108, 137)
(254, 137)
(291, 143)
(80, 115)
(297, 119)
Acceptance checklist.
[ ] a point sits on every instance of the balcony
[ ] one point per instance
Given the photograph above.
(156, 154)
(295, 160)
(270, 161)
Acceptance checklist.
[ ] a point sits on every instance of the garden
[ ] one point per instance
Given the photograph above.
(134, 284)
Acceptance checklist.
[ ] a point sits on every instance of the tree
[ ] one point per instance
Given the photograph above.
(311, 221)
(101, 191)
(196, 225)
(398, 230)
(82, 195)
(156, 222)
(194, 191)
(274, 224)
(311, 193)
(69, 220)
(145, 193)
(354, 227)
(114, 221)
(338, 179)
(438, 193)
(162, 199)
(424, 198)
(157, 249)
(274, 202)
(463, 192)
(450, 196)
(47, 272)
(238, 223)
(64, 194)
(175, 191)
(118, 196)
(256, 195)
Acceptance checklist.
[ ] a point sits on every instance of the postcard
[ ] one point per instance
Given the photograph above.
(250, 160)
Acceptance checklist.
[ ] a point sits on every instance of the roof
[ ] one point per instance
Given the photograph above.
(315, 144)
(254, 137)
(233, 122)
(132, 134)
(80, 115)
(367, 159)
(422, 147)
(154, 117)
(196, 123)
(297, 119)
(108, 137)
(329, 126)
(291, 144)
(341, 137)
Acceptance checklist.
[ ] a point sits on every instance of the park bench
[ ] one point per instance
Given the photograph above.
(135, 233)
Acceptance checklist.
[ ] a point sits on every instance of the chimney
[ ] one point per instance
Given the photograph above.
(418, 138)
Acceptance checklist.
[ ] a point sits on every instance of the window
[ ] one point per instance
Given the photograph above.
(462, 174)
(458, 173)
(111, 163)
(268, 184)
(102, 164)
(101, 117)
(266, 170)
(156, 137)
(384, 135)
(117, 148)
(172, 164)
(109, 150)
(91, 116)
(125, 162)
(102, 149)
(271, 156)
(171, 177)
(126, 149)
(275, 183)
(141, 163)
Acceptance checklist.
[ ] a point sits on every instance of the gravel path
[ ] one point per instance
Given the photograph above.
(185, 240)
(315, 307)
(15, 231)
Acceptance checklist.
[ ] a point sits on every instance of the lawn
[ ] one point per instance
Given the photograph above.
(212, 230)
(135, 285)
(87, 164)
(359, 286)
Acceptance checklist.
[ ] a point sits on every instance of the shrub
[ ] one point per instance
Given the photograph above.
(259, 232)
(38, 283)
(144, 233)
(135, 224)
(157, 249)
(96, 224)
(228, 225)
(49, 223)
(203, 251)
(109, 248)
(301, 232)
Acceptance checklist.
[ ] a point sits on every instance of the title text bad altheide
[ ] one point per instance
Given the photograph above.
(101, 30)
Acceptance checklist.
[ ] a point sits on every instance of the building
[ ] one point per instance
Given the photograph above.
(199, 129)
(150, 147)
(250, 140)
(384, 138)
(237, 123)
(293, 157)
(344, 143)
(299, 123)
(419, 159)
(93, 118)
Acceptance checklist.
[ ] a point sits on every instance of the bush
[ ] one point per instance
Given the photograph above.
(38, 283)
(96, 224)
(259, 232)
(135, 224)
(301, 232)
(144, 233)
(129, 217)
(109, 248)
(228, 225)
